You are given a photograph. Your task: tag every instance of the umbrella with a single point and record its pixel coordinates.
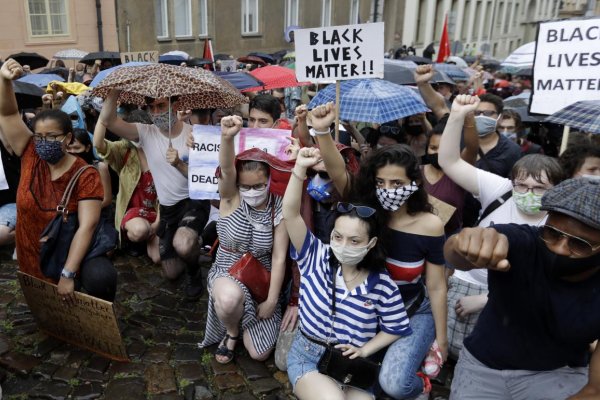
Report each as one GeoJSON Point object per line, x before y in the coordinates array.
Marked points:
{"type": "Point", "coordinates": [290, 55]}
{"type": "Point", "coordinates": [372, 100]}
{"type": "Point", "coordinates": [417, 59]}
{"type": "Point", "coordinates": [519, 100]}
{"type": "Point", "coordinates": [196, 87]}
{"type": "Point", "coordinates": [524, 72]}
{"type": "Point", "coordinates": [263, 56]}
{"type": "Point", "coordinates": [275, 77]}
{"type": "Point", "coordinates": [583, 115]}
{"type": "Point", "coordinates": [34, 60]}
{"type": "Point", "coordinates": [404, 63]}
{"type": "Point", "coordinates": [70, 54]}
{"type": "Point", "coordinates": [252, 60]}
{"type": "Point", "coordinates": [459, 62]}
{"type": "Point", "coordinates": [172, 60]}
{"type": "Point", "coordinates": [60, 71]}
{"type": "Point", "coordinates": [521, 57]}
{"type": "Point", "coordinates": [41, 80]}
{"type": "Point", "coordinates": [28, 95]}
{"type": "Point", "coordinates": [197, 62]}
{"type": "Point", "coordinates": [240, 80]}
{"type": "Point", "coordinates": [222, 56]}
{"type": "Point", "coordinates": [453, 71]}
{"type": "Point", "coordinates": [103, 74]}
{"type": "Point", "coordinates": [177, 53]}
{"type": "Point", "coordinates": [397, 73]}
{"type": "Point", "coordinates": [112, 56]}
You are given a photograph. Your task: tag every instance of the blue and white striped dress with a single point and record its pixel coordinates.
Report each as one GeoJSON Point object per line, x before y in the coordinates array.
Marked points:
{"type": "Point", "coordinates": [246, 229]}
{"type": "Point", "coordinates": [374, 305]}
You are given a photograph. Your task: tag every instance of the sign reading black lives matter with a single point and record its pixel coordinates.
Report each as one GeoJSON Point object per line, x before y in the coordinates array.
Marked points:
{"type": "Point", "coordinates": [339, 52]}
{"type": "Point", "coordinates": [90, 323]}
{"type": "Point", "coordinates": [567, 64]}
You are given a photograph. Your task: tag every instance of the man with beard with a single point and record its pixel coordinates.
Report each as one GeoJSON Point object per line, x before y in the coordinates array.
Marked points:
{"type": "Point", "coordinates": [532, 338]}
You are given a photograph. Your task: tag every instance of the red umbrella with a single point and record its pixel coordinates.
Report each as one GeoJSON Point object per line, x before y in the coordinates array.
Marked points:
{"type": "Point", "coordinates": [275, 77]}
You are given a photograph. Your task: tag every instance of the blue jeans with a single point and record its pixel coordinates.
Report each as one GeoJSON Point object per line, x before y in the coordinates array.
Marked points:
{"type": "Point", "coordinates": [403, 359]}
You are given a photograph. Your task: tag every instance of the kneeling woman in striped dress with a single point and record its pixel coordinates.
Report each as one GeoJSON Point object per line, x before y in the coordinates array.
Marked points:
{"type": "Point", "coordinates": [369, 312]}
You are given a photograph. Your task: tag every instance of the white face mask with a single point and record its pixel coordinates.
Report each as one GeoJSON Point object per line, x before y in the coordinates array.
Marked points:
{"type": "Point", "coordinates": [255, 198]}
{"type": "Point", "coordinates": [351, 255]}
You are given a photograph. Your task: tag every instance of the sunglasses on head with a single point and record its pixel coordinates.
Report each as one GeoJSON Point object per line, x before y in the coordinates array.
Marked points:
{"type": "Point", "coordinates": [361, 211]}
{"type": "Point", "coordinates": [577, 245]}
{"type": "Point", "coordinates": [394, 130]}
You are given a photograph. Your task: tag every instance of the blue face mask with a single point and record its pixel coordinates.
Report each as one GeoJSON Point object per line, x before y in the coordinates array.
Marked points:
{"type": "Point", "coordinates": [485, 125]}
{"type": "Point", "coordinates": [319, 188]}
{"type": "Point", "coordinates": [51, 152]}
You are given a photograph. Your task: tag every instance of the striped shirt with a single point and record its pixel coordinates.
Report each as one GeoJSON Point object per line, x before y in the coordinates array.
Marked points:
{"type": "Point", "coordinates": [374, 305]}
{"type": "Point", "coordinates": [407, 255]}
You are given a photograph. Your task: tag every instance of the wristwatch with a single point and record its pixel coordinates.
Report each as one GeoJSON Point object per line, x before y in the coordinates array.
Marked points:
{"type": "Point", "coordinates": [65, 273]}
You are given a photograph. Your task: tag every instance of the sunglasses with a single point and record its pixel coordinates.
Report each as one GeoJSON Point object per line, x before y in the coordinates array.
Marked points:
{"type": "Point", "coordinates": [577, 245]}
{"type": "Point", "coordinates": [394, 130]}
{"type": "Point", "coordinates": [361, 211]}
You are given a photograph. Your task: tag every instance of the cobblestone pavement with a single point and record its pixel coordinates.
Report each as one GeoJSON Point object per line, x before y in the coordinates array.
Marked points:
{"type": "Point", "coordinates": [161, 332]}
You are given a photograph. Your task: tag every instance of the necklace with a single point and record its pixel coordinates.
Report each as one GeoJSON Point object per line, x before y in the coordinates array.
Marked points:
{"type": "Point", "coordinates": [353, 278]}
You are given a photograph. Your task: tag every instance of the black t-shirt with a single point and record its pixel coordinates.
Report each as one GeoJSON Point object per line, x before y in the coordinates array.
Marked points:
{"type": "Point", "coordinates": [533, 321]}
{"type": "Point", "coordinates": [12, 171]}
{"type": "Point", "coordinates": [501, 158]}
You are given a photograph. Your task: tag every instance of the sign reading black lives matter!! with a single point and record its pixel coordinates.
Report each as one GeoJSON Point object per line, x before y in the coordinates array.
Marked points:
{"type": "Point", "coordinates": [90, 323]}
{"type": "Point", "coordinates": [339, 52]}
{"type": "Point", "coordinates": [567, 64]}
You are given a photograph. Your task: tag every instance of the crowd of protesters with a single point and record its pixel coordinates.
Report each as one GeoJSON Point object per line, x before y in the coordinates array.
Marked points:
{"type": "Point", "coordinates": [505, 286]}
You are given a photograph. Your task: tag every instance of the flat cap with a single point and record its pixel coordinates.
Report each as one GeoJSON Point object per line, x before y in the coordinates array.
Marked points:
{"type": "Point", "coordinates": [578, 198]}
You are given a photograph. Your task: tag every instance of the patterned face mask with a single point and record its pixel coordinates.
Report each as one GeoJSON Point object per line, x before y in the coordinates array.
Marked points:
{"type": "Point", "coordinates": [528, 203]}
{"type": "Point", "coordinates": [162, 120]}
{"type": "Point", "coordinates": [393, 199]}
{"type": "Point", "coordinates": [51, 152]}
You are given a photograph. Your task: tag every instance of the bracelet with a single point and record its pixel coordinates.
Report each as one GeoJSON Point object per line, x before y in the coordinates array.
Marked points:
{"type": "Point", "coordinates": [298, 176]}
{"type": "Point", "coordinates": [314, 132]}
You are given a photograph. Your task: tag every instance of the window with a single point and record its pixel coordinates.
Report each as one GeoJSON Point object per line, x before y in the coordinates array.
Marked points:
{"type": "Point", "coordinates": [249, 17]}
{"type": "Point", "coordinates": [48, 17]}
{"type": "Point", "coordinates": [291, 12]}
{"type": "Point", "coordinates": [162, 19]}
{"type": "Point", "coordinates": [203, 18]}
{"type": "Point", "coordinates": [326, 13]}
{"type": "Point", "coordinates": [354, 12]}
{"type": "Point", "coordinates": [183, 18]}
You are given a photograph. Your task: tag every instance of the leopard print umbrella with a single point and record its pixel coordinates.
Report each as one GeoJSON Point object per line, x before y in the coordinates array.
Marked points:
{"type": "Point", "coordinates": [196, 88]}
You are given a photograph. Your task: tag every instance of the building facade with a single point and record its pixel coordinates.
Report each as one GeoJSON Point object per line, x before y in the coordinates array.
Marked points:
{"type": "Point", "coordinates": [47, 26]}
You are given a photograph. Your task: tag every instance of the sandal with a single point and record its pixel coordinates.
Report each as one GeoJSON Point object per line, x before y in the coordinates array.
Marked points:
{"type": "Point", "coordinates": [225, 351]}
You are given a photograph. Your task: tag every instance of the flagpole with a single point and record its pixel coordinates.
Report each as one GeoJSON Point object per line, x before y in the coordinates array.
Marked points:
{"type": "Point", "coordinates": [337, 111]}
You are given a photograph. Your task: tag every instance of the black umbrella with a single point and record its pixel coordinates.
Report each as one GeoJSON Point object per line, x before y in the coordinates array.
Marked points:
{"type": "Point", "coordinates": [28, 95]}
{"type": "Point", "coordinates": [222, 56]}
{"type": "Point", "coordinates": [402, 75]}
{"type": "Point", "coordinates": [60, 71]}
{"type": "Point", "coordinates": [197, 62]}
{"type": "Point", "coordinates": [524, 72]}
{"type": "Point", "coordinates": [112, 56]}
{"type": "Point", "coordinates": [263, 56]}
{"type": "Point", "coordinates": [34, 60]}
{"type": "Point", "coordinates": [417, 59]}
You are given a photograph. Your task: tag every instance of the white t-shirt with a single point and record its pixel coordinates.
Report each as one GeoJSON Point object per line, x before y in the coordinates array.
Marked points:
{"type": "Point", "coordinates": [171, 185]}
{"type": "Point", "coordinates": [492, 187]}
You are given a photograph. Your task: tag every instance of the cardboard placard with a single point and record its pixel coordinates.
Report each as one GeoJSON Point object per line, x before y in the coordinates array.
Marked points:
{"type": "Point", "coordinates": [567, 60]}
{"type": "Point", "coordinates": [442, 209]}
{"type": "Point", "coordinates": [204, 155]}
{"type": "Point", "coordinates": [339, 52]}
{"type": "Point", "coordinates": [139, 56]}
{"type": "Point", "coordinates": [229, 65]}
{"type": "Point", "coordinates": [91, 323]}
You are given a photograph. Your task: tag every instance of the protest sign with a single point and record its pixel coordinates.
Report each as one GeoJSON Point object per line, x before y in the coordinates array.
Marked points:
{"type": "Point", "coordinates": [139, 56]}
{"type": "Point", "coordinates": [339, 52]}
{"type": "Point", "coordinates": [567, 61]}
{"type": "Point", "coordinates": [229, 65]}
{"type": "Point", "coordinates": [204, 155]}
{"type": "Point", "coordinates": [90, 323]}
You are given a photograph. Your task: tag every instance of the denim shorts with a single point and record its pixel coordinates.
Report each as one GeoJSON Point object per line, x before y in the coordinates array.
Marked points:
{"type": "Point", "coordinates": [8, 215]}
{"type": "Point", "coordinates": [303, 357]}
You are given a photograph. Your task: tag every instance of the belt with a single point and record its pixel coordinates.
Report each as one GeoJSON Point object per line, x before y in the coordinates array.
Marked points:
{"type": "Point", "coordinates": [412, 309]}
{"type": "Point", "coordinates": [315, 341]}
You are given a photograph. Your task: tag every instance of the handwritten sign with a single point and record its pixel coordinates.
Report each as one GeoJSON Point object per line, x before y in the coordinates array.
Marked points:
{"type": "Point", "coordinates": [140, 56]}
{"type": "Point", "coordinates": [91, 323]}
{"type": "Point", "coordinates": [204, 155]}
{"type": "Point", "coordinates": [339, 52]}
{"type": "Point", "coordinates": [567, 60]}
{"type": "Point", "coordinates": [442, 209]}
{"type": "Point", "coordinates": [229, 65]}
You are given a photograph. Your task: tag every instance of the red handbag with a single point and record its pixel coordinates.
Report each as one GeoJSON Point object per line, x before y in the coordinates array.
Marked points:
{"type": "Point", "coordinates": [252, 274]}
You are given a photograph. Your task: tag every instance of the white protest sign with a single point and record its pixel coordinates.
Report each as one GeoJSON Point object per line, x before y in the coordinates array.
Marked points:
{"type": "Point", "coordinates": [339, 52]}
{"type": "Point", "coordinates": [228, 65]}
{"type": "Point", "coordinates": [567, 64]}
{"type": "Point", "coordinates": [140, 56]}
{"type": "Point", "coordinates": [204, 155]}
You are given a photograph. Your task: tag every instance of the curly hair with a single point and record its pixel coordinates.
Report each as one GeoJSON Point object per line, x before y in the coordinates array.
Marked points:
{"type": "Point", "coordinates": [574, 156]}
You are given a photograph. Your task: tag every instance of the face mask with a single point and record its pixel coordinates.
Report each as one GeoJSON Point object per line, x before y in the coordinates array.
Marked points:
{"type": "Point", "coordinates": [510, 136]}
{"type": "Point", "coordinates": [51, 152]}
{"type": "Point", "coordinates": [431, 159]}
{"type": "Point", "coordinates": [350, 255]}
{"type": "Point", "coordinates": [564, 266]}
{"type": "Point", "coordinates": [485, 125]}
{"type": "Point", "coordinates": [528, 203]}
{"type": "Point", "coordinates": [320, 189]}
{"type": "Point", "coordinates": [162, 120]}
{"type": "Point", "coordinates": [255, 198]}
{"type": "Point", "coordinates": [593, 177]}
{"type": "Point", "coordinates": [393, 199]}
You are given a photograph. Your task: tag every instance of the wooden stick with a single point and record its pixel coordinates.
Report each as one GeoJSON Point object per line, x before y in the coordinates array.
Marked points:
{"type": "Point", "coordinates": [565, 139]}
{"type": "Point", "coordinates": [337, 111]}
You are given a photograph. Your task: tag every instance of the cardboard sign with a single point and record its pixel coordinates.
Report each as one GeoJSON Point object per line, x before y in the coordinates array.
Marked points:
{"type": "Point", "coordinates": [204, 156]}
{"type": "Point", "coordinates": [139, 56]}
{"type": "Point", "coordinates": [91, 323]}
{"type": "Point", "coordinates": [339, 52]}
{"type": "Point", "coordinates": [567, 61]}
{"type": "Point", "coordinates": [229, 65]}
{"type": "Point", "coordinates": [442, 209]}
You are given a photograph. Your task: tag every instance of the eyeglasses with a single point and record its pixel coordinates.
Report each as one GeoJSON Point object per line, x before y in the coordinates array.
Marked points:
{"type": "Point", "coordinates": [487, 113]}
{"type": "Point", "coordinates": [48, 138]}
{"type": "Point", "coordinates": [394, 130]}
{"type": "Point", "coordinates": [258, 186]}
{"type": "Point", "coordinates": [577, 245]}
{"type": "Point", "coordinates": [361, 211]}
{"type": "Point", "coordinates": [520, 188]}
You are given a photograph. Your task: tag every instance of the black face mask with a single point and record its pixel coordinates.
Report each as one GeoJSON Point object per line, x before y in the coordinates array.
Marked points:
{"type": "Point", "coordinates": [565, 266]}
{"type": "Point", "coordinates": [431, 159]}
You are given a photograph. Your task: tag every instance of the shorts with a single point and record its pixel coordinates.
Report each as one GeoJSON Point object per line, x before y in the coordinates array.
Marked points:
{"type": "Point", "coordinates": [8, 215]}
{"type": "Point", "coordinates": [188, 213]}
{"type": "Point", "coordinates": [303, 357]}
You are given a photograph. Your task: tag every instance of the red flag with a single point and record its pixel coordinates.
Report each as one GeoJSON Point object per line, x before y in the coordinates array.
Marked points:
{"type": "Point", "coordinates": [444, 51]}
{"type": "Point", "coordinates": [208, 54]}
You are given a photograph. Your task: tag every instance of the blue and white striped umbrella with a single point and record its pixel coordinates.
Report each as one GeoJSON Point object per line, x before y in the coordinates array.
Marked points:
{"type": "Point", "coordinates": [372, 100]}
{"type": "Point", "coordinates": [583, 115]}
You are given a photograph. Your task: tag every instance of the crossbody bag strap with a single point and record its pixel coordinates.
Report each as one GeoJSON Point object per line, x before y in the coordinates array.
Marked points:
{"type": "Point", "coordinates": [62, 206]}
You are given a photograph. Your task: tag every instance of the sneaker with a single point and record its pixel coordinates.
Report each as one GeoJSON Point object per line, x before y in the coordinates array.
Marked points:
{"type": "Point", "coordinates": [426, 385]}
{"type": "Point", "coordinates": [193, 286]}
{"type": "Point", "coordinates": [432, 365]}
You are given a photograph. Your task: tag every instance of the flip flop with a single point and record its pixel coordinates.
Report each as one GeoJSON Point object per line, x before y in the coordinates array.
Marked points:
{"type": "Point", "coordinates": [225, 351]}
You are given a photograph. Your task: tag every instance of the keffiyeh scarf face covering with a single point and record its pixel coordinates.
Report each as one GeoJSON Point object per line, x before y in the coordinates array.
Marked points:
{"type": "Point", "coordinates": [393, 199]}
